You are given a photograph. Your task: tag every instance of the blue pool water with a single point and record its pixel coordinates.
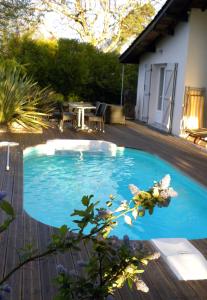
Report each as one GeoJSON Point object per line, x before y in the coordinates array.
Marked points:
{"type": "Point", "coordinates": [54, 185]}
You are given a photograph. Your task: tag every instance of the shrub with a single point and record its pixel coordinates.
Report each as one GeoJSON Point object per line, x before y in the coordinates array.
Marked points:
{"type": "Point", "coordinates": [71, 67]}
{"type": "Point", "coordinates": [22, 103]}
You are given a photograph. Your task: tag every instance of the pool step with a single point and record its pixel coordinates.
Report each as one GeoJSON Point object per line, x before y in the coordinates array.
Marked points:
{"type": "Point", "coordinates": [186, 262]}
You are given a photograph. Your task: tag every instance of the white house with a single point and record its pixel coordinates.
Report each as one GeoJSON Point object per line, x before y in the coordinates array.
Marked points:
{"type": "Point", "coordinates": [172, 57]}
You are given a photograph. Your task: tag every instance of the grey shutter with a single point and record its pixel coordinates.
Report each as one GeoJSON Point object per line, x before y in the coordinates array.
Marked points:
{"type": "Point", "coordinates": [169, 93]}
{"type": "Point", "coordinates": [146, 98]}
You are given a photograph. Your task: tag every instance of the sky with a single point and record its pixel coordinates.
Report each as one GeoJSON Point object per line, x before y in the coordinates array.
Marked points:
{"type": "Point", "coordinates": [55, 26]}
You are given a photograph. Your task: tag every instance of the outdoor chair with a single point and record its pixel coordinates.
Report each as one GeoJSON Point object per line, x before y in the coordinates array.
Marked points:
{"type": "Point", "coordinates": [93, 113]}
{"type": "Point", "coordinates": [199, 134]}
{"type": "Point", "coordinates": [67, 116]}
{"type": "Point", "coordinates": [98, 117]}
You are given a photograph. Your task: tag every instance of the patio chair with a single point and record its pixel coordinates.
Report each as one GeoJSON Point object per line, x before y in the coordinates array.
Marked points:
{"type": "Point", "coordinates": [199, 134]}
{"type": "Point", "coordinates": [67, 116]}
{"type": "Point", "coordinates": [98, 117]}
{"type": "Point", "coordinates": [92, 113]}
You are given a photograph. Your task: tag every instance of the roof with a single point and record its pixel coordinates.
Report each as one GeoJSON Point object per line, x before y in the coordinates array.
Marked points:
{"type": "Point", "coordinates": [164, 23]}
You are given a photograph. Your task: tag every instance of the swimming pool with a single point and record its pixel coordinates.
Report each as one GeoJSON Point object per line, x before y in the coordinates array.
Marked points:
{"type": "Point", "coordinates": [55, 179]}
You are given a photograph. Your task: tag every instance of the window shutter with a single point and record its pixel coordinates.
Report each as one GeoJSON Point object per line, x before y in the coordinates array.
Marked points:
{"type": "Point", "coordinates": [146, 98]}
{"type": "Point", "coordinates": [169, 93]}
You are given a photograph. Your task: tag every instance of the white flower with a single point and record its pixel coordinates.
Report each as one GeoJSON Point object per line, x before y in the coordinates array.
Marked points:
{"type": "Point", "coordinates": [154, 256]}
{"type": "Point", "coordinates": [155, 192]}
{"type": "Point", "coordinates": [81, 263]}
{"type": "Point", "coordinates": [61, 269]}
{"type": "Point", "coordinates": [123, 206]}
{"type": "Point", "coordinates": [172, 192]}
{"type": "Point", "coordinates": [128, 220]}
{"type": "Point", "coordinates": [141, 286]}
{"type": "Point", "coordinates": [165, 182]}
{"type": "Point", "coordinates": [120, 208]}
{"type": "Point", "coordinates": [134, 189]}
{"type": "Point", "coordinates": [135, 213]}
{"type": "Point", "coordinates": [164, 194]}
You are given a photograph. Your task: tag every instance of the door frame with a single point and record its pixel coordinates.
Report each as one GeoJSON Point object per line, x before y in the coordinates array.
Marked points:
{"type": "Point", "coordinates": [159, 112]}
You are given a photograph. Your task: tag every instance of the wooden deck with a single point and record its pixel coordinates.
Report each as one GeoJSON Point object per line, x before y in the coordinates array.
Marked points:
{"type": "Point", "coordinates": [35, 281]}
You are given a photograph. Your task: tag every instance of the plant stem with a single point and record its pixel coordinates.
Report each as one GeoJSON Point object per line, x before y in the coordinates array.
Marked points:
{"type": "Point", "coordinates": [48, 252]}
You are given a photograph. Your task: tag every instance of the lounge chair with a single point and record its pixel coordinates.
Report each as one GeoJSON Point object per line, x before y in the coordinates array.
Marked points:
{"type": "Point", "coordinates": [199, 134]}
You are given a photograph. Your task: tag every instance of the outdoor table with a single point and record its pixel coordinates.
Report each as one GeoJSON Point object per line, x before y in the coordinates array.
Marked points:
{"type": "Point", "coordinates": [81, 107]}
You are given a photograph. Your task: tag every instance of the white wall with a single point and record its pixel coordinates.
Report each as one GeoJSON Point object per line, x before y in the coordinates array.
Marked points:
{"type": "Point", "coordinates": [171, 49]}
{"type": "Point", "coordinates": [196, 72]}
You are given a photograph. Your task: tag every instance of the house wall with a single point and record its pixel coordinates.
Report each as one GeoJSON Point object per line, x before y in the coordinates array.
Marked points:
{"type": "Point", "coordinates": [196, 71]}
{"type": "Point", "coordinates": [171, 49]}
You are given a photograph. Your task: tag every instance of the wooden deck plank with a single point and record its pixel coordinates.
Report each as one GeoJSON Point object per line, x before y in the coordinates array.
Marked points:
{"type": "Point", "coordinates": [31, 272]}
{"type": "Point", "coordinates": [47, 264]}
{"type": "Point", "coordinates": [15, 232]}
{"type": "Point", "coordinates": [35, 281]}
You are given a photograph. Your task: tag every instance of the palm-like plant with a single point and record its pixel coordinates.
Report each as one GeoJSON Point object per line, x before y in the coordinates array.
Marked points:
{"type": "Point", "coordinates": [22, 102]}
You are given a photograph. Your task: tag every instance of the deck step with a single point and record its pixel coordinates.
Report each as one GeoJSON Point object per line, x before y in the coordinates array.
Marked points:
{"type": "Point", "coordinates": [186, 262]}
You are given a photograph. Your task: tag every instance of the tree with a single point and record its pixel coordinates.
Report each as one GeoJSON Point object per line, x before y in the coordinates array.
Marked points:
{"type": "Point", "coordinates": [16, 16]}
{"type": "Point", "coordinates": [106, 24]}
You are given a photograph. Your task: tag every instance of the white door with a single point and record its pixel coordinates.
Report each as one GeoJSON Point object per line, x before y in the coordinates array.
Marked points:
{"type": "Point", "coordinates": [160, 98]}
{"type": "Point", "coordinates": [146, 98]}
{"type": "Point", "coordinates": [169, 95]}
{"type": "Point", "coordinates": [165, 99]}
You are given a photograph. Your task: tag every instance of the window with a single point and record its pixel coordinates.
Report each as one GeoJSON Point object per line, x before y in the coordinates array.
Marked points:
{"type": "Point", "coordinates": [161, 87]}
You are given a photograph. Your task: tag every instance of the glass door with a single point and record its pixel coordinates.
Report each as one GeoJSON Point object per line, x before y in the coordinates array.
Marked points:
{"type": "Point", "coordinates": [159, 107]}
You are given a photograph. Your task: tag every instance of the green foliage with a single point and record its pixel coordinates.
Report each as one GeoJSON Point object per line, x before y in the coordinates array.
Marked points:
{"type": "Point", "coordinates": [76, 70]}
{"type": "Point", "coordinates": [26, 253]}
{"type": "Point", "coordinates": [9, 211]}
{"type": "Point", "coordinates": [17, 16]}
{"type": "Point", "coordinates": [112, 262]}
{"type": "Point", "coordinates": [107, 25]}
{"type": "Point", "coordinates": [134, 23]}
{"type": "Point", "coordinates": [22, 103]}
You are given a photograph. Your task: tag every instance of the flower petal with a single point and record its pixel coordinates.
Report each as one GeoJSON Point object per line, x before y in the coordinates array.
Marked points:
{"type": "Point", "coordinates": [135, 213]}
{"type": "Point", "coordinates": [127, 220]}
{"type": "Point", "coordinates": [165, 182]}
{"type": "Point", "coordinates": [133, 189]}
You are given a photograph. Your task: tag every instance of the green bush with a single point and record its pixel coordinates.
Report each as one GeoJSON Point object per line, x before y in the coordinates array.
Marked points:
{"type": "Point", "coordinates": [71, 67]}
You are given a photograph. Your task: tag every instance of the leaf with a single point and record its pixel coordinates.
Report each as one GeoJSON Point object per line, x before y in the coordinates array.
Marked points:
{"type": "Point", "coordinates": [80, 213]}
{"type": "Point", "coordinates": [85, 200]}
{"type": "Point", "coordinates": [130, 282]}
{"type": "Point", "coordinates": [151, 210]}
{"type": "Point", "coordinates": [63, 229]}
{"type": "Point", "coordinates": [79, 223]}
{"type": "Point", "coordinates": [141, 213]}
{"type": "Point", "coordinates": [144, 261]}
{"type": "Point", "coordinates": [135, 213]}
{"type": "Point", "coordinates": [7, 208]}
{"type": "Point", "coordinates": [127, 220]}
{"type": "Point", "coordinates": [139, 271]}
